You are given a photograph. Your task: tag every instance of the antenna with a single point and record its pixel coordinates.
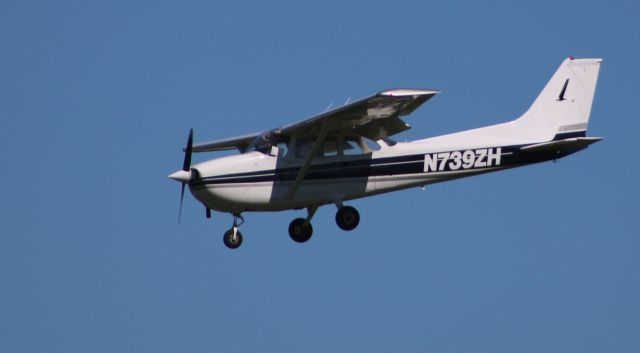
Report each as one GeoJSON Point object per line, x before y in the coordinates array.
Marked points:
{"type": "Point", "coordinates": [329, 107]}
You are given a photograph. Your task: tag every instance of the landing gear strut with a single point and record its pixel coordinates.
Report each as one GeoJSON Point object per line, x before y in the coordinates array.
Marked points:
{"type": "Point", "coordinates": [233, 238]}
{"type": "Point", "coordinates": [300, 229]}
{"type": "Point", "coordinates": [347, 218]}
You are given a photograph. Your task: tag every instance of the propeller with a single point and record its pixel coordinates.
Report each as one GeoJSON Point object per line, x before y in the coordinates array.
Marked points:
{"type": "Point", "coordinates": [184, 175]}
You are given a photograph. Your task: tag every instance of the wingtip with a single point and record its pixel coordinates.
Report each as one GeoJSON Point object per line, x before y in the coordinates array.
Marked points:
{"type": "Point", "coordinates": [401, 92]}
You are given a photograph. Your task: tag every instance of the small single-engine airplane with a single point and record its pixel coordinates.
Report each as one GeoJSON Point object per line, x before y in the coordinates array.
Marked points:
{"type": "Point", "coordinates": [346, 153]}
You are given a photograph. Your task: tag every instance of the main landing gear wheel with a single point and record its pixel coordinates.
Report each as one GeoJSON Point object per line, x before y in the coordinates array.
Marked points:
{"type": "Point", "coordinates": [347, 218]}
{"type": "Point", "coordinates": [232, 238]}
{"type": "Point", "coordinates": [300, 230]}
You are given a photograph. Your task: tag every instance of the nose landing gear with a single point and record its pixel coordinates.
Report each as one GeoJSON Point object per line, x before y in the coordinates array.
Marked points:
{"type": "Point", "coordinates": [233, 238]}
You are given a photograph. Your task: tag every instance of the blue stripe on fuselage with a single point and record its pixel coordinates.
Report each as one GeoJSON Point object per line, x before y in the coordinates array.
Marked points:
{"type": "Point", "coordinates": [511, 156]}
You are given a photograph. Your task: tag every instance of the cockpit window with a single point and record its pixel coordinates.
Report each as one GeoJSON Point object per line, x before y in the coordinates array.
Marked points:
{"type": "Point", "coordinates": [265, 141]}
{"type": "Point", "coordinates": [283, 148]}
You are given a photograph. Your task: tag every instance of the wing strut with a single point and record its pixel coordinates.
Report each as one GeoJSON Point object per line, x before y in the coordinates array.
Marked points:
{"type": "Point", "coordinates": [305, 167]}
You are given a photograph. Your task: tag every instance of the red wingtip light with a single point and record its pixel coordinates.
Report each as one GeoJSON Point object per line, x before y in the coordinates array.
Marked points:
{"type": "Point", "coordinates": [571, 58]}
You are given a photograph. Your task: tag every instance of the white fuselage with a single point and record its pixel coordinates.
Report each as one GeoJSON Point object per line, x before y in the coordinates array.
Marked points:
{"type": "Point", "coordinates": [256, 181]}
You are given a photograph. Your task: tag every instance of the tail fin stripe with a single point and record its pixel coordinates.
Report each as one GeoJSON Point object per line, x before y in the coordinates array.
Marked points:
{"type": "Point", "coordinates": [568, 135]}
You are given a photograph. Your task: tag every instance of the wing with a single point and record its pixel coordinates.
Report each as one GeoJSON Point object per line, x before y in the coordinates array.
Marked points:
{"type": "Point", "coordinates": [240, 142]}
{"type": "Point", "coordinates": [374, 117]}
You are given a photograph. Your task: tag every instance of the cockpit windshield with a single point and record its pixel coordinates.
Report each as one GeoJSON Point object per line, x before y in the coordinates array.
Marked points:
{"type": "Point", "coordinates": [265, 141]}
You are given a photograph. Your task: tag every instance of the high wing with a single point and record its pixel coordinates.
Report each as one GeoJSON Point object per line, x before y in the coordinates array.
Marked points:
{"type": "Point", "coordinates": [240, 142]}
{"type": "Point", "coordinates": [374, 117]}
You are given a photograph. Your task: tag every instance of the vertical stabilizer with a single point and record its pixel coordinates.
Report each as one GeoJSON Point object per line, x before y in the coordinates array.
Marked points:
{"type": "Point", "coordinates": [562, 108]}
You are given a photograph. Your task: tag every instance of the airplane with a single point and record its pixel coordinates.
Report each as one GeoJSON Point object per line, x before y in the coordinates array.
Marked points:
{"type": "Point", "coordinates": [346, 153]}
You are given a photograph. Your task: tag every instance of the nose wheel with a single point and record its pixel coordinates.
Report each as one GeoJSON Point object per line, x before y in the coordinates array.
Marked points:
{"type": "Point", "coordinates": [233, 238]}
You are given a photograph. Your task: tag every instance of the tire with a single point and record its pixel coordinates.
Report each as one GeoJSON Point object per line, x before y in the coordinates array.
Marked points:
{"type": "Point", "coordinates": [347, 218]}
{"type": "Point", "coordinates": [229, 241]}
{"type": "Point", "coordinates": [300, 231]}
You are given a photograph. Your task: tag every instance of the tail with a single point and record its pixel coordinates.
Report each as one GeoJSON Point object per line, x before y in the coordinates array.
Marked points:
{"type": "Point", "coordinates": [563, 107]}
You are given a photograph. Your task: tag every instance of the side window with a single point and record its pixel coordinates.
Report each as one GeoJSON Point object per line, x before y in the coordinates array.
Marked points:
{"type": "Point", "coordinates": [330, 147]}
{"type": "Point", "coordinates": [372, 145]}
{"type": "Point", "coordinates": [304, 146]}
{"type": "Point", "coordinates": [351, 147]}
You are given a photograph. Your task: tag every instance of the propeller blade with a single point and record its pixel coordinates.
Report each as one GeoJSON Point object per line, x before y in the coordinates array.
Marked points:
{"type": "Point", "coordinates": [186, 166]}
{"type": "Point", "coordinates": [180, 209]}
{"type": "Point", "coordinates": [187, 152]}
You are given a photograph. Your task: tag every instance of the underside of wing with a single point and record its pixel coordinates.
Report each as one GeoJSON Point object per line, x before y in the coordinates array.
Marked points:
{"type": "Point", "coordinates": [374, 117]}
{"type": "Point", "coordinates": [241, 143]}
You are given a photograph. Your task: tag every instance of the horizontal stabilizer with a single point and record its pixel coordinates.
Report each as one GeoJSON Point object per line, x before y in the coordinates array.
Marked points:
{"type": "Point", "coordinates": [569, 144]}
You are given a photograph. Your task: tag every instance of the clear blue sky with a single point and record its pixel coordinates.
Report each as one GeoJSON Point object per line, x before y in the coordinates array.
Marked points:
{"type": "Point", "coordinates": [96, 99]}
